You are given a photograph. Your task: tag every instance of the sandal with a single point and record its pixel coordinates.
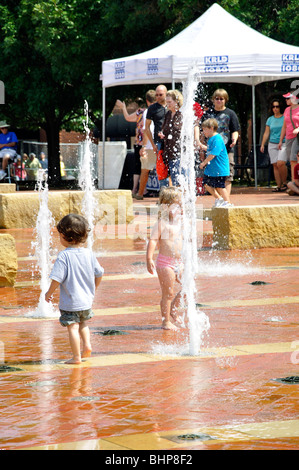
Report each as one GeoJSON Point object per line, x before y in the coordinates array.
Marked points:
{"type": "Point", "coordinates": [276, 190]}
{"type": "Point", "coordinates": [283, 187]}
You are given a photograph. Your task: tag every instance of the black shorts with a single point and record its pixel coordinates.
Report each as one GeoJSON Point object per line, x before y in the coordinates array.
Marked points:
{"type": "Point", "coordinates": [214, 181]}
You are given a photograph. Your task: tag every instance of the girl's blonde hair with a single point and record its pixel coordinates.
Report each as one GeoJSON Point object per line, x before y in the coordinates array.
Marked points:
{"type": "Point", "coordinates": [168, 196]}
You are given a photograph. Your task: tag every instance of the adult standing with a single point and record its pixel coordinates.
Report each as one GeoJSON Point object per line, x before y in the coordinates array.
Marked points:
{"type": "Point", "coordinates": [290, 130]}
{"type": "Point", "coordinates": [155, 114]}
{"type": "Point", "coordinates": [272, 134]}
{"type": "Point", "coordinates": [171, 134]}
{"type": "Point", "coordinates": [8, 146]}
{"type": "Point", "coordinates": [43, 161]}
{"type": "Point", "coordinates": [138, 117]}
{"type": "Point", "coordinates": [228, 128]}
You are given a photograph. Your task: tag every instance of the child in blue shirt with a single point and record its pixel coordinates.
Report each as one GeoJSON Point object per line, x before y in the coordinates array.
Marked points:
{"type": "Point", "coordinates": [78, 274]}
{"type": "Point", "coordinates": [216, 164]}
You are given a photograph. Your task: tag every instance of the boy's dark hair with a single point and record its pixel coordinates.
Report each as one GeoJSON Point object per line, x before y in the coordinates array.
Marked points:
{"type": "Point", "coordinates": [74, 228]}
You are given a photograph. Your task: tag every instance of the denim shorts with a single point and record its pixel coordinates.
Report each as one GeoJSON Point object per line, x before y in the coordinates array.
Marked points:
{"type": "Point", "coordinates": [67, 318]}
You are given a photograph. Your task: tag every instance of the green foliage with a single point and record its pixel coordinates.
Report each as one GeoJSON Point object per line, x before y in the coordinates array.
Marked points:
{"type": "Point", "coordinates": [53, 49]}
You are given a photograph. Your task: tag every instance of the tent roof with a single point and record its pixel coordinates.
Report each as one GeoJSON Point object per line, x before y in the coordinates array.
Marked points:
{"type": "Point", "coordinates": [217, 46]}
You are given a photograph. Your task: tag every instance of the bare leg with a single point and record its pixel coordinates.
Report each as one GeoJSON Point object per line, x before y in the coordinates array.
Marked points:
{"type": "Point", "coordinates": [213, 191]}
{"type": "Point", "coordinates": [175, 305]}
{"type": "Point", "coordinates": [74, 338]}
{"type": "Point", "coordinates": [277, 175]}
{"type": "Point", "coordinates": [85, 336]}
{"type": "Point", "coordinates": [223, 193]}
{"type": "Point", "coordinates": [293, 187]}
{"type": "Point", "coordinates": [292, 169]}
{"type": "Point", "coordinates": [167, 279]}
{"type": "Point", "coordinates": [228, 186]}
{"type": "Point", "coordinates": [283, 171]}
{"type": "Point", "coordinates": [143, 181]}
{"type": "Point", "coordinates": [5, 162]}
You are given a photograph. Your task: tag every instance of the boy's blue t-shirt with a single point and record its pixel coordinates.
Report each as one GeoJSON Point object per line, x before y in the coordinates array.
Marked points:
{"type": "Point", "coordinates": [275, 125]}
{"type": "Point", "coordinates": [219, 166]}
{"type": "Point", "coordinates": [75, 269]}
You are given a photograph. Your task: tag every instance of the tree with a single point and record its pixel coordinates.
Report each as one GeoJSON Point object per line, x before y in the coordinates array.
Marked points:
{"type": "Point", "coordinates": [52, 51]}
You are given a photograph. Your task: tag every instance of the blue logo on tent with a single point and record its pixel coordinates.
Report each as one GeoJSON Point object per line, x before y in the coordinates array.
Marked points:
{"type": "Point", "coordinates": [152, 66]}
{"type": "Point", "coordinates": [290, 63]}
{"type": "Point", "coordinates": [120, 70]}
{"type": "Point", "coordinates": [216, 64]}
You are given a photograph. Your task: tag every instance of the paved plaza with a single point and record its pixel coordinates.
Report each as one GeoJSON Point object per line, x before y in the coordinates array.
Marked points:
{"type": "Point", "coordinates": [141, 390]}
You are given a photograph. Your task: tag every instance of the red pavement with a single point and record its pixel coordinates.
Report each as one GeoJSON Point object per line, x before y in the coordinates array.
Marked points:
{"type": "Point", "coordinates": [141, 389]}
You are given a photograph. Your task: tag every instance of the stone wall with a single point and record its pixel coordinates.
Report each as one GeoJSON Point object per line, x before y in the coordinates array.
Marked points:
{"type": "Point", "coordinates": [20, 209]}
{"type": "Point", "coordinates": [8, 260]}
{"type": "Point", "coordinates": [250, 227]}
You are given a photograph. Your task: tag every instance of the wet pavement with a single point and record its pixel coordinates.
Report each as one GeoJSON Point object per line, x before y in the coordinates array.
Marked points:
{"type": "Point", "coordinates": [141, 389]}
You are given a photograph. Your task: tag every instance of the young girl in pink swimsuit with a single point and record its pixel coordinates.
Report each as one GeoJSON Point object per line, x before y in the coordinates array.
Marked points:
{"type": "Point", "coordinates": [167, 234]}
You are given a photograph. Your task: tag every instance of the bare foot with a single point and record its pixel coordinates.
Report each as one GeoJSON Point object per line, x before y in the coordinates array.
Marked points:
{"type": "Point", "coordinates": [73, 361]}
{"type": "Point", "coordinates": [86, 353]}
{"type": "Point", "coordinates": [169, 326]}
{"type": "Point", "coordinates": [177, 319]}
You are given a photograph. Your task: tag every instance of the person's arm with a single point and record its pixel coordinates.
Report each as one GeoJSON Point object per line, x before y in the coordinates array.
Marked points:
{"type": "Point", "coordinates": [53, 286]}
{"type": "Point", "coordinates": [11, 144]}
{"type": "Point", "coordinates": [196, 136]}
{"type": "Point", "coordinates": [149, 134]}
{"type": "Point", "coordinates": [152, 244]}
{"type": "Point", "coordinates": [206, 161]}
{"type": "Point", "coordinates": [265, 138]}
{"type": "Point", "coordinates": [97, 281]}
{"type": "Point", "coordinates": [282, 134]}
{"type": "Point", "coordinates": [235, 136]}
{"type": "Point", "coordinates": [128, 117]}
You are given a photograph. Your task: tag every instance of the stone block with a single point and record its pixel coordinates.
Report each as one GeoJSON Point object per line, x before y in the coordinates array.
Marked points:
{"type": "Point", "coordinates": [112, 207]}
{"type": "Point", "coordinates": [250, 227]}
{"type": "Point", "coordinates": [19, 210]}
{"type": "Point", "coordinates": [7, 188]}
{"type": "Point", "coordinates": [8, 260]}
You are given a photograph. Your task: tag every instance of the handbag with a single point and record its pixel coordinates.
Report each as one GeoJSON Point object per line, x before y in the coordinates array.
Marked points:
{"type": "Point", "coordinates": [294, 125]}
{"type": "Point", "coordinates": [161, 167]}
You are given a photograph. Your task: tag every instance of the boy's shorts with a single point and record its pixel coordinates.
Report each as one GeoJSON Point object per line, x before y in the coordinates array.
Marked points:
{"type": "Point", "coordinates": [214, 181]}
{"type": "Point", "coordinates": [68, 318]}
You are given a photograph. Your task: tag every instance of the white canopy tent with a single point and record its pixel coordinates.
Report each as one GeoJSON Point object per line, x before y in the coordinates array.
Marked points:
{"type": "Point", "coordinates": [219, 47]}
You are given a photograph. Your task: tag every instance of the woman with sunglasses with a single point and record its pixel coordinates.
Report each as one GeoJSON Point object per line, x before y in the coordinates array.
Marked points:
{"type": "Point", "coordinates": [277, 157]}
{"type": "Point", "coordinates": [290, 130]}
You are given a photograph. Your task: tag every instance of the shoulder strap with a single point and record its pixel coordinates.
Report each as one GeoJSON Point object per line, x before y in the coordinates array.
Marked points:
{"type": "Point", "coordinates": [292, 118]}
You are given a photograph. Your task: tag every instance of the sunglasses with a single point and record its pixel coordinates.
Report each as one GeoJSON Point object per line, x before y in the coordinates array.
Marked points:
{"type": "Point", "coordinates": [159, 94]}
{"type": "Point", "coordinates": [275, 106]}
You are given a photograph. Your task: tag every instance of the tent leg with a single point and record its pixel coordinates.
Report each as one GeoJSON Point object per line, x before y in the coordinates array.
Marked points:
{"type": "Point", "coordinates": [254, 135]}
{"type": "Point", "coordinates": [103, 135]}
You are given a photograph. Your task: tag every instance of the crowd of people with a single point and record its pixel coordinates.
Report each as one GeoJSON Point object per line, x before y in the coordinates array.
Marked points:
{"type": "Point", "coordinates": [159, 136]}
{"type": "Point", "coordinates": [282, 133]}
{"type": "Point", "coordinates": [17, 167]}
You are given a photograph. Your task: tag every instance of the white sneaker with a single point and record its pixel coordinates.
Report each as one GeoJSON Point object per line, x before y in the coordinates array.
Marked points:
{"type": "Point", "coordinates": [226, 204]}
{"type": "Point", "coordinates": [218, 202]}
{"type": "Point", "coordinates": [2, 175]}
